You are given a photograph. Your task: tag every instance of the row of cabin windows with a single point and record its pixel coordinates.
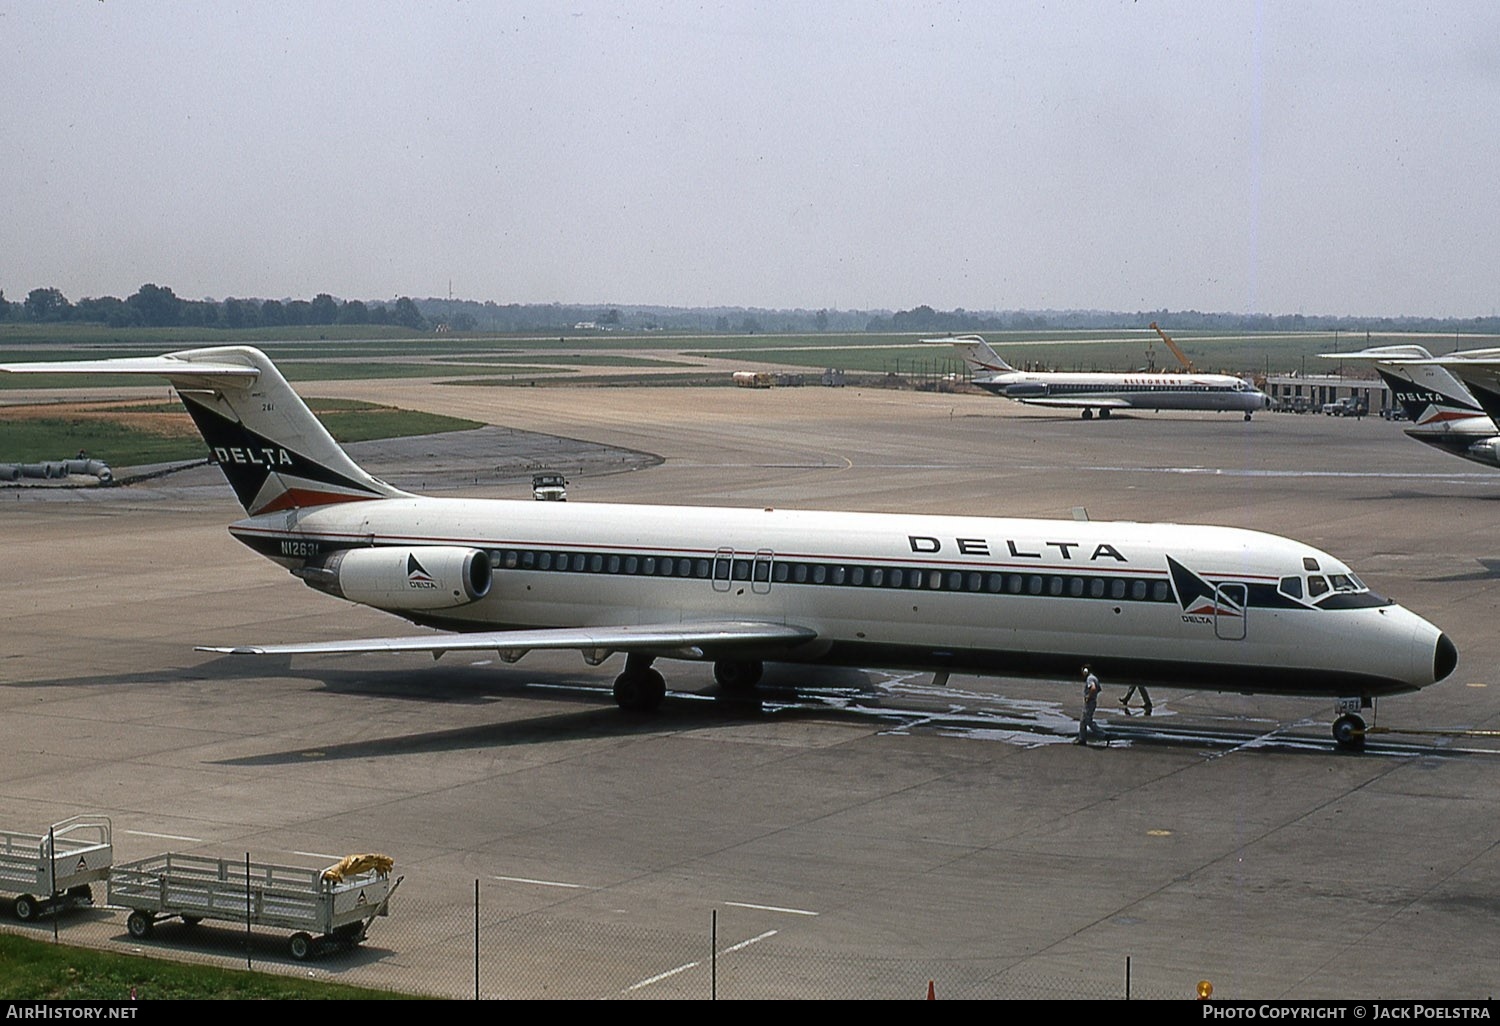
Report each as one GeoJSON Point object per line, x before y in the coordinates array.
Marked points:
{"type": "Point", "coordinates": [764, 570]}
{"type": "Point", "coordinates": [1055, 389]}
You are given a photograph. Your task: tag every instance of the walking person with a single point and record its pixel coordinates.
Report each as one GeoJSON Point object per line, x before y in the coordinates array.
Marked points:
{"type": "Point", "coordinates": [1086, 725]}
{"type": "Point", "coordinates": [1145, 698]}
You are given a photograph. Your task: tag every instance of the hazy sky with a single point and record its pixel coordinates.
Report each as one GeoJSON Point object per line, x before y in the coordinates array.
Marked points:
{"type": "Point", "coordinates": [1287, 157]}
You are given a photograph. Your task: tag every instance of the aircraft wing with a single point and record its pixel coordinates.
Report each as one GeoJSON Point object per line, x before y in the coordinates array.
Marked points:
{"type": "Point", "coordinates": [1079, 403]}
{"type": "Point", "coordinates": [693, 640]}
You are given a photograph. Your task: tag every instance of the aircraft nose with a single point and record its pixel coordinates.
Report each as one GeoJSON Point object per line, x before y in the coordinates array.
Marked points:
{"type": "Point", "coordinates": [1444, 657]}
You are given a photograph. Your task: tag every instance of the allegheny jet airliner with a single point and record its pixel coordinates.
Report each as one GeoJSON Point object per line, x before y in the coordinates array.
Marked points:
{"type": "Point", "coordinates": [1104, 392]}
{"type": "Point", "coordinates": [1443, 413]}
{"type": "Point", "coordinates": [1194, 607]}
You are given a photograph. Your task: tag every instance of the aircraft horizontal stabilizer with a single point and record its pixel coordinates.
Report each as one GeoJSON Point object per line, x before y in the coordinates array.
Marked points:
{"type": "Point", "coordinates": [1383, 354]}
{"type": "Point", "coordinates": [170, 366]}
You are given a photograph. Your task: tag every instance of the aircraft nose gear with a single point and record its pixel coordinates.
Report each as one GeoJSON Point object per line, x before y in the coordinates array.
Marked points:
{"type": "Point", "coordinates": [1349, 732]}
{"type": "Point", "coordinates": [639, 688]}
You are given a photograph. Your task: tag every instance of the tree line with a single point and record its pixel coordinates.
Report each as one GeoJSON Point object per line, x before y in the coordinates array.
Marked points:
{"type": "Point", "coordinates": [157, 306]}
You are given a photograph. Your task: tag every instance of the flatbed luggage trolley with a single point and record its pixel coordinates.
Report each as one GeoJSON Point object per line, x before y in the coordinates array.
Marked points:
{"type": "Point", "coordinates": [53, 871]}
{"type": "Point", "coordinates": [324, 907]}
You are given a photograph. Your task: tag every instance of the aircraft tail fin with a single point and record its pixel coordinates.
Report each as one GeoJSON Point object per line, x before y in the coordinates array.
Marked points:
{"type": "Point", "coordinates": [1429, 395]}
{"type": "Point", "coordinates": [976, 354]}
{"type": "Point", "coordinates": [274, 452]}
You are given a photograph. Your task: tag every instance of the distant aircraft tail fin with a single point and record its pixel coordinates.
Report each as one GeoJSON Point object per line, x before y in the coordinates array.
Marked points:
{"type": "Point", "coordinates": [977, 354]}
{"type": "Point", "coordinates": [1430, 396]}
{"type": "Point", "coordinates": [275, 454]}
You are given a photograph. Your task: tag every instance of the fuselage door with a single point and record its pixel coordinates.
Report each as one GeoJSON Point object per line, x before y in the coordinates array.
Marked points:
{"type": "Point", "coordinates": [760, 580]}
{"type": "Point", "coordinates": [723, 569]}
{"type": "Point", "coordinates": [1231, 608]}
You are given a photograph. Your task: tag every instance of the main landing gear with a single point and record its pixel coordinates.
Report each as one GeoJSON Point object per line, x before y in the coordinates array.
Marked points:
{"type": "Point", "coordinates": [1088, 414]}
{"type": "Point", "coordinates": [639, 688]}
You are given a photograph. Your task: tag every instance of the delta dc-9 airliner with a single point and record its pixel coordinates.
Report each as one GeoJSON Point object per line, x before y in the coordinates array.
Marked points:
{"type": "Point", "coordinates": [1197, 607]}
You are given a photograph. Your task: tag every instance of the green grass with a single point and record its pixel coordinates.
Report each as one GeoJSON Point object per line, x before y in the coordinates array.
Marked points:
{"type": "Point", "coordinates": [113, 439]}
{"type": "Point", "coordinates": [1120, 350]}
{"type": "Point", "coordinates": [32, 440]}
{"type": "Point", "coordinates": [340, 354]}
{"type": "Point", "coordinates": [644, 379]}
{"type": "Point", "coordinates": [343, 371]}
{"type": "Point", "coordinates": [566, 358]}
{"type": "Point", "coordinates": [34, 970]}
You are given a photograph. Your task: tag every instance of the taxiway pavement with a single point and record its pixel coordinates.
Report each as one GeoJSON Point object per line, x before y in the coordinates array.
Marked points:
{"type": "Point", "coordinates": [849, 842]}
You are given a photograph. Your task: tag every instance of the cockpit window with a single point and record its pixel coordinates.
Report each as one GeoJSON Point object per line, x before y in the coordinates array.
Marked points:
{"type": "Point", "coordinates": [1291, 587]}
{"type": "Point", "coordinates": [1308, 563]}
{"type": "Point", "coordinates": [1342, 591]}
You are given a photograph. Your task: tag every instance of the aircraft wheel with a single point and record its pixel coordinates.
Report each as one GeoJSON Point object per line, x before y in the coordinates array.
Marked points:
{"type": "Point", "coordinates": [301, 946]}
{"type": "Point", "coordinates": [1103, 413]}
{"type": "Point", "coordinates": [139, 925]}
{"type": "Point", "coordinates": [1349, 732]}
{"type": "Point", "coordinates": [25, 908]}
{"type": "Point", "coordinates": [738, 675]}
{"type": "Point", "coordinates": [640, 690]}
{"type": "Point", "coordinates": [1088, 414]}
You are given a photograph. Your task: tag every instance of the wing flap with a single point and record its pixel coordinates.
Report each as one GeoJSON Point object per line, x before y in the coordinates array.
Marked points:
{"type": "Point", "coordinates": [679, 638]}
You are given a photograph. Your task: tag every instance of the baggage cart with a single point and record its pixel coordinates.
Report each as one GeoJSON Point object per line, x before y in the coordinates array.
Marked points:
{"type": "Point", "coordinates": [55, 870]}
{"type": "Point", "coordinates": [322, 907]}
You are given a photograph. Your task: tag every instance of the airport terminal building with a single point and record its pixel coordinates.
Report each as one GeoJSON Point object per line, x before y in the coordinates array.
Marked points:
{"type": "Point", "coordinates": [1311, 393]}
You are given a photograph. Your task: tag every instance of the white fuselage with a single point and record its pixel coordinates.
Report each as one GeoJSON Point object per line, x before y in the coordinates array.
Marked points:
{"type": "Point", "coordinates": [1219, 392]}
{"type": "Point", "coordinates": [1003, 596]}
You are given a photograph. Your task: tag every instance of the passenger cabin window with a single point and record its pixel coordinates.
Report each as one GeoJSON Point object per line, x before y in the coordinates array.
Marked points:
{"type": "Point", "coordinates": [1316, 586]}
{"type": "Point", "coordinates": [1291, 587]}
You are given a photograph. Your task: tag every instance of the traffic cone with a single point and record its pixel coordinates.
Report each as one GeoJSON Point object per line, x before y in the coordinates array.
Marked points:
{"type": "Point", "coordinates": [930, 995]}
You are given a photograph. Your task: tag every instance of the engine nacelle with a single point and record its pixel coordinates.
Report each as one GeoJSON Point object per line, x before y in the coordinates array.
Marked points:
{"type": "Point", "coordinates": [401, 579]}
{"type": "Point", "coordinates": [1486, 450]}
{"type": "Point", "coordinates": [1026, 390]}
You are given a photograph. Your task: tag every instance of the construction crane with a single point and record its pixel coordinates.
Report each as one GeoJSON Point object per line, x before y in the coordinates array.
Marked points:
{"type": "Point", "coordinates": [1187, 365]}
